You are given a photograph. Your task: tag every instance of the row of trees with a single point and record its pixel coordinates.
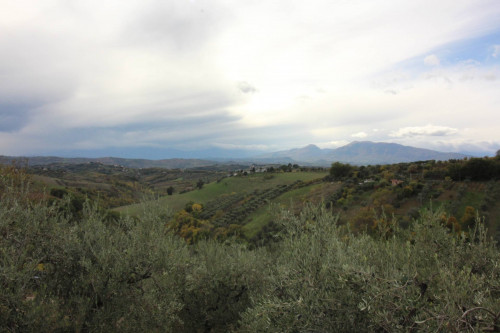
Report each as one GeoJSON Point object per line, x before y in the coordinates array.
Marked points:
{"type": "Point", "coordinates": [477, 169]}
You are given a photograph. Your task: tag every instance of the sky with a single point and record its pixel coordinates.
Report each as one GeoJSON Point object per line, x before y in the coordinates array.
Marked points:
{"type": "Point", "coordinates": [188, 78]}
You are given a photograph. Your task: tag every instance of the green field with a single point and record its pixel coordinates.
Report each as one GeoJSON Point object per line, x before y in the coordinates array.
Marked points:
{"type": "Point", "coordinates": [262, 216]}
{"type": "Point", "coordinates": [230, 185]}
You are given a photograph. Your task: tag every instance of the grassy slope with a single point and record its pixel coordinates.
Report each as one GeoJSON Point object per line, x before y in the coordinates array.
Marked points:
{"type": "Point", "coordinates": [296, 199]}
{"type": "Point", "coordinates": [473, 195]}
{"type": "Point", "coordinates": [245, 184]}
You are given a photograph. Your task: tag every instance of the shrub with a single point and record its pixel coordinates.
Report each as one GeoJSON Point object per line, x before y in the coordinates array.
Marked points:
{"type": "Point", "coordinates": [423, 278]}
{"type": "Point", "coordinates": [57, 274]}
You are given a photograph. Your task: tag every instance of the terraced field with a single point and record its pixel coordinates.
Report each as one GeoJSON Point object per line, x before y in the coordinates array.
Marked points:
{"type": "Point", "coordinates": [233, 199]}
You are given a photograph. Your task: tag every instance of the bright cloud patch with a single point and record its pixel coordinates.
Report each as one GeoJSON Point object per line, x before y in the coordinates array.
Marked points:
{"type": "Point", "coordinates": [333, 144]}
{"type": "Point", "coordinates": [496, 51]}
{"type": "Point", "coordinates": [241, 147]}
{"type": "Point", "coordinates": [429, 130]}
{"type": "Point", "coordinates": [359, 135]}
{"type": "Point", "coordinates": [432, 60]}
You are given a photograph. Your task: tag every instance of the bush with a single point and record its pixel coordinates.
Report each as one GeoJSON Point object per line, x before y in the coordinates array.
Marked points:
{"type": "Point", "coordinates": [425, 278]}
{"type": "Point", "coordinates": [89, 276]}
{"type": "Point", "coordinates": [57, 274]}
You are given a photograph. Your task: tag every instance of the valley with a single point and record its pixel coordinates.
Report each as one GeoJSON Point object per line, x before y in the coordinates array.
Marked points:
{"type": "Point", "coordinates": [96, 247]}
{"type": "Point", "coordinates": [240, 201]}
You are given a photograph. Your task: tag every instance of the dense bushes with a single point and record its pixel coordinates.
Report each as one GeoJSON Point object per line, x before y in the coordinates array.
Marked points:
{"type": "Point", "coordinates": [326, 279]}
{"type": "Point", "coordinates": [61, 274]}
{"type": "Point", "coordinates": [475, 169]}
{"type": "Point", "coordinates": [340, 170]}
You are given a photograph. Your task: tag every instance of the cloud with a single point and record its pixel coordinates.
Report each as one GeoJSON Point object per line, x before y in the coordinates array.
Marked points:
{"type": "Point", "coordinates": [241, 147]}
{"type": "Point", "coordinates": [432, 60]}
{"type": "Point", "coordinates": [333, 144]}
{"type": "Point", "coordinates": [428, 130]}
{"type": "Point", "coordinates": [496, 51]}
{"type": "Point", "coordinates": [184, 73]}
{"type": "Point", "coordinates": [246, 87]}
{"type": "Point", "coordinates": [359, 135]}
{"type": "Point", "coordinates": [174, 27]}
{"type": "Point", "coordinates": [14, 116]}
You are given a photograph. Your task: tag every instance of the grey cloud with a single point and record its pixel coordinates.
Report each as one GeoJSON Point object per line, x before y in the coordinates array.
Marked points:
{"type": "Point", "coordinates": [183, 26]}
{"type": "Point", "coordinates": [35, 66]}
{"type": "Point", "coordinates": [438, 76]}
{"type": "Point", "coordinates": [210, 121]}
{"type": "Point", "coordinates": [246, 87]}
{"type": "Point", "coordinates": [490, 77]}
{"type": "Point", "coordinates": [478, 74]}
{"type": "Point", "coordinates": [13, 117]}
{"type": "Point", "coordinates": [360, 117]}
{"type": "Point", "coordinates": [304, 98]}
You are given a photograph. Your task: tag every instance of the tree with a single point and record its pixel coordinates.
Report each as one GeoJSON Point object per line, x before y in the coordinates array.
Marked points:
{"type": "Point", "coordinates": [479, 169]}
{"type": "Point", "coordinates": [286, 168]}
{"type": "Point", "coordinates": [200, 184]}
{"type": "Point", "coordinates": [170, 190]}
{"type": "Point", "coordinates": [340, 170]}
{"type": "Point", "coordinates": [412, 169]}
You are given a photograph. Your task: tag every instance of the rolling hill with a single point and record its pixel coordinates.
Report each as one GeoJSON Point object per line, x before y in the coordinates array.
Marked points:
{"type": "Point", "coordinates": [172, 163]}
{"type": "Point", "coordinates": [357, 152]}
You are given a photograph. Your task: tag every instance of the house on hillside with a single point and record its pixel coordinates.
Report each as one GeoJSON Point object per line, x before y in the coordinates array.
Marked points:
{"type": "Point", "coordinates": [396, 182]}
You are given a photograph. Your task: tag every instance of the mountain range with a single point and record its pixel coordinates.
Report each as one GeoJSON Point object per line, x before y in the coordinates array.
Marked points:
{"type": "Point", "coordinates": [362, 152]}
{"type": "Point", "coordinates": [357, 152]}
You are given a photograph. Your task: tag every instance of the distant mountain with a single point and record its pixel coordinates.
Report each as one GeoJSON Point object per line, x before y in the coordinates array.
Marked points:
{"type": "Point", "coordinates": [307, 153]}
{"type": "Point", "coordinates": [364, 152]}
{"type": "Point", "coordinates": [173, 163]}
{"type": "Point", "coordinates": [361, 152]}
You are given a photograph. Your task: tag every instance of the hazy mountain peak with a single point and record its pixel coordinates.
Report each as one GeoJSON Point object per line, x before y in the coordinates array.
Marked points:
{"type": "Point", "coordinates": [310, 148]}
{"type": "Point", "coordinates": [362, 152]}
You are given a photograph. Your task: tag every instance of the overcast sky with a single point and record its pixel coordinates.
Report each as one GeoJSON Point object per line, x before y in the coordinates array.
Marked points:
{"type": "Point", "coordinates": [129, 76]}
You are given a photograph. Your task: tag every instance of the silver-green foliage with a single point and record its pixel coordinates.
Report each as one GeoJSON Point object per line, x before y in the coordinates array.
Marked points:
{"type": "Point", "coordinates": [58, 273]}
{"type": "Point", "coordinates": [326, 279]}
{"type": "Point", "coordinates": [93, 274]}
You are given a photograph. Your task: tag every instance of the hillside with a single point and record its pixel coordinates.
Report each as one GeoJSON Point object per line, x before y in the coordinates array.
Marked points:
{"type": "Point", "coordinates": [243, 197]}
{"type": "Point", "coordinates": [115, 185]}
{"type": "Point", "coordinates": [242, 203]}
{"type": "Point", "coordinates": [281, 250]}
{"type": "Point", "coordinates": [86, 271]}
{"type": "Point", "coordinates": [359, 153]}
{"type": "Point", "coordinates": [173, 163]}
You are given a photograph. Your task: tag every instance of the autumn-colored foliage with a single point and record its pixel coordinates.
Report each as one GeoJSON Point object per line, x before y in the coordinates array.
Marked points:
{"type": "Point", "coordinates": [468, 219]}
